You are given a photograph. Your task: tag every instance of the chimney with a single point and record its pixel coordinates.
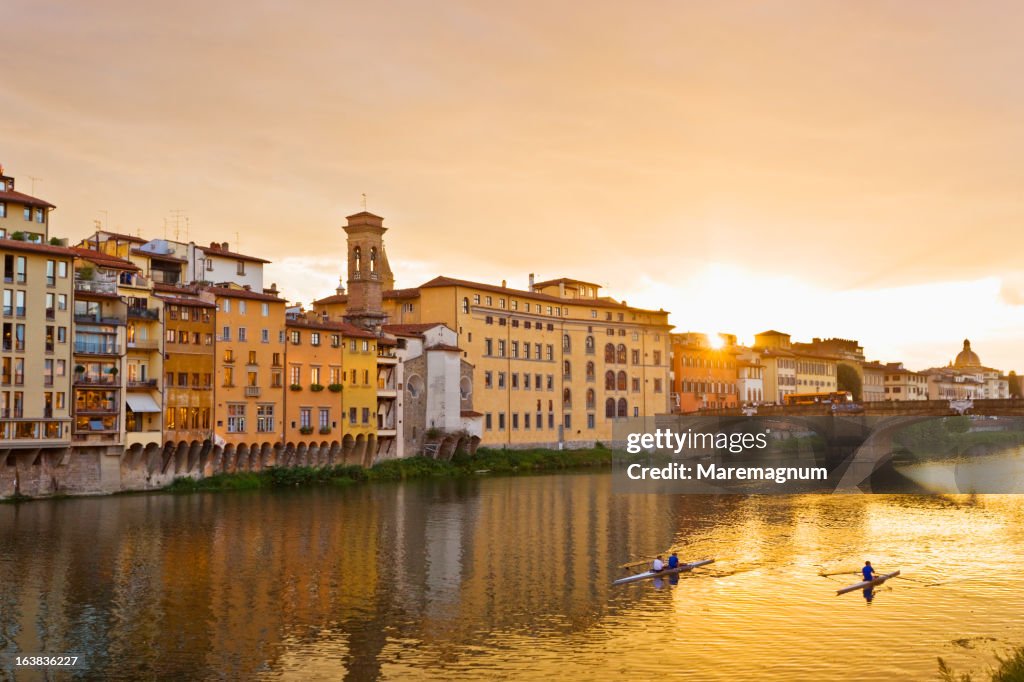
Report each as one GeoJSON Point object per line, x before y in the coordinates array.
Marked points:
{"type": "Point", "coordinates": [561, 290]}
{"type": "Point", "coordinates": [225, 246]}
{"type": "Point", "coordinates": [504, 284]}
{"type": "Point", "coordinates": [531, 281]}
{"type": "Point", "coordinates": [273, 287]}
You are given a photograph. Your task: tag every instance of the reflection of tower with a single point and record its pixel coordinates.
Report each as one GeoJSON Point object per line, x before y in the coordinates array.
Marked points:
{"type": "Point", "coordinates": [369, 274]}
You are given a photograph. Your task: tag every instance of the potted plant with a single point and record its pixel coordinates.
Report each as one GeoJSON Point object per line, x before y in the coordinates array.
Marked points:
{"type": "Point", "coordinates": [79, 369]}
{"type": "Point", "coordinates": [324, 430]}
{"type": "Point", "coordinates": [306, 430]}
{"type": "Point", "coordinates": [295, 387]}
{"type": "Point", "coordinates": [316, 388]}
{"type": "Point", "coordinates": [334, 388]}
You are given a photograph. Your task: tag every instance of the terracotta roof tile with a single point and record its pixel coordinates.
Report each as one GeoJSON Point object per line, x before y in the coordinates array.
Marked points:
{"type": "Point", "coordinates": [217, 251]}
{"type": "Point", "coordinates": [17, 245]}
{"type": "Point", "coordinates": [227, 292]}
{"type": "Point", "coordinates": [104, 260]}
{"type": "Point", "coordinates": [22, 198]}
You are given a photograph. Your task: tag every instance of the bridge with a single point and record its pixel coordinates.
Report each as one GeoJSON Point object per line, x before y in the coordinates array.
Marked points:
{"type": "Point", "coordinates": [1002, 407]}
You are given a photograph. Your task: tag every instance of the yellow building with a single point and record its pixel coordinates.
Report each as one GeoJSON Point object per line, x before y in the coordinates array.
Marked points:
{"type": "Point", "coordinates": [904, 384]}
{"type": "Point", "coordinates": [188, 343]}
{"type": "Point", "coordinates": [249, 374]}
{"type": "Point", "coordinates": [332, 385]}
{"type": "Point", "coordinates": [549, 360]}
{"type": "Point", "coordinates": [815, 373]}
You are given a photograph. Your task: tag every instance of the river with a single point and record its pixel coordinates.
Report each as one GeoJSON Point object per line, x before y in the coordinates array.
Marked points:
{"type": "Point", "coordinates": [507, 578]}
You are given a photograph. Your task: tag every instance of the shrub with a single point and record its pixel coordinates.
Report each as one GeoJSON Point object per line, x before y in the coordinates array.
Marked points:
{"type": "Point", "coordinates": [306, 430]}
{"type": "Point", "coordinates": [316, 388]}
{"type": "Point", "coordinates": [334, 388]}
{"type": "Point", "coordinates": [295, 387]}
{"type": "Point", "coordinates": [324, 430]}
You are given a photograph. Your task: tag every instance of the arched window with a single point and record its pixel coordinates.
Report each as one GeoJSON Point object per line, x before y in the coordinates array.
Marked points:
{"type": "Point", "coordinates": [465, 388]}
{"type": "Point", "coordinates": [609, 352]}
{"type": "Point", "coordinates": [591, 398]}
{"type": "Point", "coordinates": [566, 343]}
{"type": "Point", "coordinates": [357, 263]}
{"type": "Point", "coordinates": [373, 260]}
{"type": "Point", "coordinates": [620, 355]}
{"type": "Point", "coordinates": [567, 398]}
{"type": "Point", "coordinates": [609, 408]}
{"type": "Point", "coordinates": [620, 383]}
{"type": "Point", "coordinates": [465, 305]}
{"type": "Point", "coordinates": [590, 371]}
{"type": "Point", "coordinates": [623, 408]}
{"type": "Point", "coordinates": [414, 385]}
{"type": "Point", "coordinates": [567, 368]}
{"type": "Point", "coordinates": [590, 344]}
{"type": "Point", "coordinates": [609, 380]}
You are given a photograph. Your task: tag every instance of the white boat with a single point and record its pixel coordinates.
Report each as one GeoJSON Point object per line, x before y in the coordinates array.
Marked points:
{"type": "Point", "coordinates": [868, 583]}
{"type": "Point", "coordinates": [682, 568]}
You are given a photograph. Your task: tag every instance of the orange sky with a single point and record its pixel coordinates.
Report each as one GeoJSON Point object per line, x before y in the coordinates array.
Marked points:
{"type": "Point", "coordinates": [825, 168]}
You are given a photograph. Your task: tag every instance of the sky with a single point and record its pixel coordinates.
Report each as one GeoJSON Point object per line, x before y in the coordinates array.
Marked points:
{"type": "Point", "coordinates": [847, 169]}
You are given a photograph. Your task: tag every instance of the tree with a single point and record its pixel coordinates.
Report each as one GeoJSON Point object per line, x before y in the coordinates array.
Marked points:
{"type": "Point", "coordinates": [847, 379]}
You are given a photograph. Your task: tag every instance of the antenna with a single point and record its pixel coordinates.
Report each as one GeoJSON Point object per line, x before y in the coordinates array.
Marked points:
{"type": "Point", "coordinates": [177, 214]}
{"type": "Point", "coordinates": [106, 219]}
{"type": "Point", "coordinates": [364, 201]}
{"type": "Point", "coordinates": [33, 179]}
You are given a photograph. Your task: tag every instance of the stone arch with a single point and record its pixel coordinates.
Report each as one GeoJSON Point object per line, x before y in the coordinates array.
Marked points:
{"type": "Point", "coordinates": [465, 388]}
{"type": "Point", "coordinates": [447, 448]}
{"type": "Point", "coordinates": [359, 451]}
{"type": "Point", "coordinates": [332, 457]}
{"type": "Point", "coordinates": [348, 446]}
{"type": "Point", "coordinates": [414, 385]}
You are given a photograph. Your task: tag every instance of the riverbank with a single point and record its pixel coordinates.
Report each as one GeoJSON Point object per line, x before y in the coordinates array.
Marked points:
{"type": "Point", "coordinates": [485, 462]}
{"type": "Point", "coordinates": [1008, 669]}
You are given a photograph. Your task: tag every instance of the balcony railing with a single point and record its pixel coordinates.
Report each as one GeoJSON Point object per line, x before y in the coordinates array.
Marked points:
{"type": "Point", "coordinates": [144, 313]}
{"type": "Point", "coordinates": [96, 286]}
{"type": "Point", "coordinates": [252, 391]}
{"type": "Point", "coordinates": [144, 344]}
{"type": "Point", "coordinates": [142, 383]}
{"type": "Point", "coordinates": [96, 348]}
{"type": "Point", "coordinates": [88, 380]}
{"type": "Point", "coordinates": [85, 318]}
{"type": "Point", "coordinates": [33, 429]}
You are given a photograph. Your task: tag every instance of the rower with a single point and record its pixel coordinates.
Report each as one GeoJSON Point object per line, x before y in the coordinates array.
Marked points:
{"type": "Point", "coordinates": [657, 565]}
{"type": "Point", "coordinates": [868, 572]}
{"type": "Point", "coordinates": [673, 561]}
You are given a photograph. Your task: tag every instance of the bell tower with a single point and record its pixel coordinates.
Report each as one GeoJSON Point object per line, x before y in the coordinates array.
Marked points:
{"type": "Point", "coordinates": [369, 274]}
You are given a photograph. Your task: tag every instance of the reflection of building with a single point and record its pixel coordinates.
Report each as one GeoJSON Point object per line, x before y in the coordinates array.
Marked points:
{"type": "Point", "coordinates": [704, 376]}
{"type": "Point", "coordinates": [966, 378]}
{"type": "Point", "coordinates": [554, 363]}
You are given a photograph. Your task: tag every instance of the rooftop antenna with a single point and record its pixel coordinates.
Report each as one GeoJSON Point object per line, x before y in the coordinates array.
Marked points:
{"type": "Point", "coordinates": [364, 201]}
{"type": "Point", "coordinates": [187, 225]}
{"type": "Point", "coordinates": [106, 219]}
{"type": "Point", "coordinates": [33, 179]}
{"type": "Point", "coordinates": [177, 214]}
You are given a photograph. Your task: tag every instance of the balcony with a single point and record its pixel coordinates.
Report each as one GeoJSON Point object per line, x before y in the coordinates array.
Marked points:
{"type": "Point", "coordinates": [106, 380]}
{"type": "Point", "coordinates": [142, 384]}
{"type": "Point", "coordinates": [96, 286]}
{"type": "Point", "coordinates": [144, 313]}
{"type": "Point", "coordinates": [97, 348]}
{"type": "Point", "coordinates": [252, 391]}
{"type": "Point", "coordinates": [32, 433]}
{"type": "Point", "coordinates": [144, 344]}
{"type": "Point", "coordinates": [89, 318]}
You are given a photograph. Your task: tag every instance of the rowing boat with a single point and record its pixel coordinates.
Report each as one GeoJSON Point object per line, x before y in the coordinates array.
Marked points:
{"type": "Point", "coordinates": [682, 568]}
{"type": "Point", "coordinates": [868, 583]}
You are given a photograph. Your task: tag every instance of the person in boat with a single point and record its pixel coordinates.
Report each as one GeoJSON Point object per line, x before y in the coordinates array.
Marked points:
{"type": "Point", "coordinates": [657, 566]}
{"type": "Point", "coordinates": [868, 572]}
{"type": "Point", "coordinates": [673, 561]}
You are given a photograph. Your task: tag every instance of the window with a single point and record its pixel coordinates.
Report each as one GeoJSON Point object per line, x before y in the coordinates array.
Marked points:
{"type": "Point", "coordinates": [305, 417]}
{"type": "Point", "coordinates": [501, 348]}
{"type": "Point", "coordinates": [515, 380]}
{"type": "Point", "coordinates": [366, 415]}
{"type": "Point", "coordinates": [476, 299]}
{"type": "Point", "coordinates": [501, 380]}
{"type": "Point", "coordinates": [620, 354]}
{"type": "Point", "coordinates": [515, 421]}
{"type": "Point", "coordinates": [620, 381]}
{"type": "Point", "coordinates": [226, 334]}
{"type": "Point", "coordinates": [20, 272]}
{"type": "Point", "coordinates": [314, 338]}
{"type": "Point", "coordinates": [566, 369]}
{"type": "Point", "coordinates": [657, 385]}
{"type": "Point", "coordinates": [265, 336]}
{"type": "Point", "coordinates": [566, 343]}
{"type": "Point", "coordinates": [226, 305]}
{"type": "Point", "coordinates": [325, 418]}
{"type": "Point", "coordinates": [551, 382]}
{"type": "Point", "coordinates": [590, 421]}
{"type": "Point", "coordinates": [636, 385]}
{"type": "Point", "coordinates": [635, 356]}
{"type": "Point", "coordinates": [240, 267]}
{"type": "Point", "coordinates": [236, 417]}
{"type": "Point", "coordinates": [265, 418]}
{"type": "Point", "coordinates": [590, 371]}
{"type": "Point", "coordinates": [241, 307]}
{"type": "Point", "coordinates": [501, 421]}
{"type": "Point", "coordinates": [314, 375]}
{"type": "Point", "coordinates": [295, 374]}
{"type": "Point", "coordinates": [295, 337]}
{"type": "Point", "coordinates": [657, 357]}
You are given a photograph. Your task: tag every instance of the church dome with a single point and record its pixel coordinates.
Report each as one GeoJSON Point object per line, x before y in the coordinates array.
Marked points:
{"type": "Point", "coordinates": [967, 357]}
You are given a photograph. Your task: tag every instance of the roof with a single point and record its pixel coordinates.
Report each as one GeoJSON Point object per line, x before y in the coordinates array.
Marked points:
{"type": "Point", "coordinates": [227, 292]}
{"type": "Point", "coordinates": [470, 413]}
{"type": "Point", "coordinates": [393, 293]}
{"type": "Point", "coordinates": [230, 254]}
{"type": "Point", "coordinates": [346, 328]}
{"type": "Point", "coordinates": [772, 332]}
{"type": "Point", "coordinates": [104, 260]}
{"type": "Point", "coordinates": [411, 329]}
{"type": "Point", "coordinates": [117, 236]}
{"type": "Point", "coordinates": [564, 280]}
{"type": "Point", "coordinates": [22, 198]}
{"type": "Point", "coordinates": [196, 302]}
{"type": "Point", "coordinates": [176, 288]}
{"type": "Point", "coordinates": [6, 243]}
{"type": "Point", "coordinates": [444, 346]}
{"type": "Point", "coordinates": [443, 281]}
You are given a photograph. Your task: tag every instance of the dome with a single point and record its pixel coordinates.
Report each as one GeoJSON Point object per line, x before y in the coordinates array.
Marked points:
{"type": "Point", "coordinates": [967, 357]}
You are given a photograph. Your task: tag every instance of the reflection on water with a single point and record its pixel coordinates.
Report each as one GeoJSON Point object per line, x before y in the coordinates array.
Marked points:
{"type": "Point", "coordinates": [508, 578]}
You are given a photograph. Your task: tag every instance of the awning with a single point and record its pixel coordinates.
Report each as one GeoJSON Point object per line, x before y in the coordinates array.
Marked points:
{"type": "Point", "coordinates": [142, 402]}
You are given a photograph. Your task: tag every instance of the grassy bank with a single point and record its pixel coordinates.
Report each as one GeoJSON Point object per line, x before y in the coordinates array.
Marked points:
{"type": "Point", "coordinates": [1008, 669]}
{"type": "Point", "coordinates": [500, 462]}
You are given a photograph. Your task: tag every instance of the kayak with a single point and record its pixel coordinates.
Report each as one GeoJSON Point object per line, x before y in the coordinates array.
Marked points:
{"type": "Point", "coordinates": [868, 583]}
{"type": "Point", "coordinates": [682, 568]}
